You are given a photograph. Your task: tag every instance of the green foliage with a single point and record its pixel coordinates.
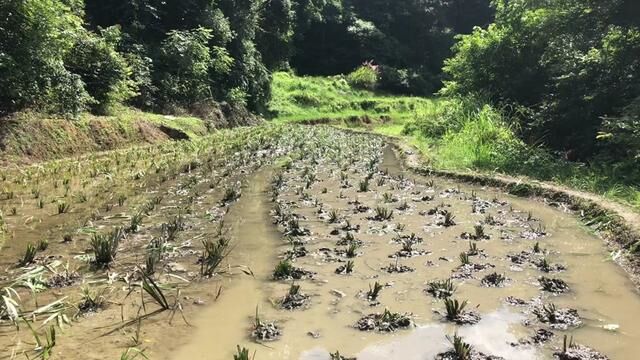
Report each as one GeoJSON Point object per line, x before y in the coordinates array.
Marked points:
{"type": "Point", "coordinates": [561, 66]}
{"type": "Point", "coordinates": [185, 62]}
{"type": "Point", "coordinates": [275, 33]}
{"type": "Point", "coordinates": [364, 77]}
{"type": "Point", "coordinates": [104, 71]}
{"type": "Point", "coordinates": [304, 98]}
{"type": "Point", "coordinates": [36, 37]}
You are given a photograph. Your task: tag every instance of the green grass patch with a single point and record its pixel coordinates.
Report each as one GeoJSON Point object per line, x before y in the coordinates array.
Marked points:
{"type": "Point", "coordinates": [304, 98]}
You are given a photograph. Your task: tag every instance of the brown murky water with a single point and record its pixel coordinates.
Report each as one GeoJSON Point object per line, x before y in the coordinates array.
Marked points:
{"type": "Point", "coordinates": [600, 292]}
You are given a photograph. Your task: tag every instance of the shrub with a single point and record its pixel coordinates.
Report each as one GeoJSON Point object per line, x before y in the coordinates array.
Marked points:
{"type": "Point", "coordinates": [407, 81]}
{"type": "Point", "coordinates": [184, 65]}
{"type": "Point", "coordinates": [105, 72]}
{"type": "Point", "coordinates": [36, 37]}
{"type": "Point", "coordinates": [364, 77]}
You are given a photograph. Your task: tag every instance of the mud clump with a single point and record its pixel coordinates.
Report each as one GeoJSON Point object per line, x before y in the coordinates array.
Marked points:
{"type": "Point", "coordinates": [408, 253]}
{"type": "Point", "coordinates": [466, 271]}
{"type": "Point", "coordinates": [266, 331]}
{"type": "Point", "coordinates": [396, 268]}
{"type": "Point", "coordinates": [296, 252]}
{"type": "Point", "coordinates": [474, 355]}
{"type": "Point", "coordinates": [539, 337]}
{"type": "Point", "coordinates": [63, 279]}
{"type": "Point", "coordinates": [480, 206]}
{"type": "Point", "coordinates": [385, 322]}
{"type": "Point", "coordinates": [544, 266]}
{"type": "Point", "coordinates": [514, 301]}
{"type": "Point", "coordinates": [412, 239]}
{"type": "Point", "coordinates": [494, 280]}
{"type": "Point", "coordinates": [337, 356]}
{"type": "Point", "coordinates": [345, 269]}
{"type": "Point", "coordinates": [466, 318]}
{"type": "Point", "coordinates": [579, 352]}
{"type": "Point", "coordinates": [557, 318]}
{"type": "Point", "coordinates": [294, 301]}
{"type": "Point", "coordinates": [553, 285]}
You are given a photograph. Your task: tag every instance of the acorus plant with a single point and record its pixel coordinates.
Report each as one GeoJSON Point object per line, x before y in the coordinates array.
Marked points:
{"type": "Point", "coordinates": [29, 255]}
{"type": "Point", "coordinates": [105, 246]}
{"type": "Point", "coordinates": [461, 350]}
{"type": "Point", "coordinates": [454, 308]}
{"type": "Point", "coordinates": [441, 289]}
{"type": "Point", "coordinates": [215, 251]}
{"type": "Point", "coordinates": [374, 291]}
{"type": "Point", "coordinates": [243, 354]}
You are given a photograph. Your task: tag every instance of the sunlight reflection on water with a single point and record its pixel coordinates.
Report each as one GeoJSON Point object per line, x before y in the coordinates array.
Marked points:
{"type": "Point", "coordinates": [492, 335]}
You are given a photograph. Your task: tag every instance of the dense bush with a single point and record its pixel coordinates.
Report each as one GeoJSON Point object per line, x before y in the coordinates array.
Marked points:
{"type": "Point", "coordinates": [364, 77]}
{"type": "Point", "coordinates": [104, 71]}
{"type": "Point", "coordinates": [412, 37]}
{"type": "Point", "coordinates": [151, 54]}
{"type": "Point", "coordinates": [184, 64]}
{"type": "Point", "coordinates": [35, 37]}
{"type": "Point", "coordinates": [408, 81]}
{"type": "Point", "coordinates": [563, 65]}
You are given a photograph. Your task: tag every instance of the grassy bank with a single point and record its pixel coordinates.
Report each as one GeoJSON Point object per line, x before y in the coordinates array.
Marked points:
{"type": "Point", "coordinates": [29, 137]}
{"type": "Point", "coordinates": [305, 98]}
{"type": "Point", "coordinates": [452, 134]}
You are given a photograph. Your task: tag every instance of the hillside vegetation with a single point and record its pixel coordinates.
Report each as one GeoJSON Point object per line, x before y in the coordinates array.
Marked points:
{"type": "Point", "coordinates": [547, 89]}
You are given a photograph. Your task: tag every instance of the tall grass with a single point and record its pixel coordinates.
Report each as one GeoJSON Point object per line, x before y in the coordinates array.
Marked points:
{"type": "Point", "coordinates": [468, 134]}
{"type": "Point", "coordinates": [306, 98]}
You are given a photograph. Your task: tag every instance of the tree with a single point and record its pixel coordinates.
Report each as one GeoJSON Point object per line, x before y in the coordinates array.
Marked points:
{"type": "Point", "coordinates": [104, 71]}
{"type": "Point", "coordinates": [35, 38]}
{"type": "Point", "coordinates": [275, 33]}
{"type": "Point", "coordinates": [563, 65]}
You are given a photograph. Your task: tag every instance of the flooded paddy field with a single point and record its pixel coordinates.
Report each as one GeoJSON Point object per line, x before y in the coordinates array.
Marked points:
{"type": "Point", "coordinates": [294, 242]}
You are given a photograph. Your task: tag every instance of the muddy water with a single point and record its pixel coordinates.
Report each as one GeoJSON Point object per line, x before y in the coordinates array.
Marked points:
{"type": "Point", "coordinates": [221, 327]}
{"type": "Point", "coordinates": [600, 291]}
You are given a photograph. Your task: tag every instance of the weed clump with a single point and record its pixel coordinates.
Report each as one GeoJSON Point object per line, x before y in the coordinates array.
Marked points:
{"type": "Point", "coordinates": [494, 280]}
{"type": "Point", "coordinates": [286, 271]}
{"type": "Point", "coordinates": [382, 214]}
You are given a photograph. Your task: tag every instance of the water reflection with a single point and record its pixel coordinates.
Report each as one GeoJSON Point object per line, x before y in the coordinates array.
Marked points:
{"type": "Point", "coordinates": [492, 335]}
